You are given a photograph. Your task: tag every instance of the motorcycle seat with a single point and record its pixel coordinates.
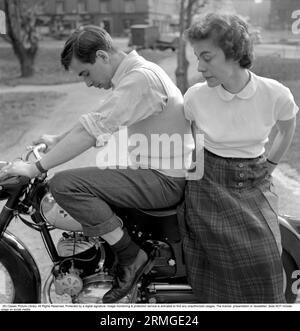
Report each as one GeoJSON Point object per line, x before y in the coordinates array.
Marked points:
{"type": "Point", "coordinates": [160, 212]}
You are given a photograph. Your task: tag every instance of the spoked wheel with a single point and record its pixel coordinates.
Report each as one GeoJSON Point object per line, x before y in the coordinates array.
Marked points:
{"type": "Point", "coordinates": [17, 284]}
{"type": "Point", "coordinates": [7, 289]}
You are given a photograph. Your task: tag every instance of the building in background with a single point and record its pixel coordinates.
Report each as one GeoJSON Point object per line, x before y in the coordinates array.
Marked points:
{"type": "Point", "coordinates": [59, 17]}
{"type": "Point", "coordinates": [257, 12]}
{"type": "Point", "coordinates": [116, 16]}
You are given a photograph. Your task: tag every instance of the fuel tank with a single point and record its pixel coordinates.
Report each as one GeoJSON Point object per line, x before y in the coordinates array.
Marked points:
{"type": "Point", "coordinates": [56, 216]}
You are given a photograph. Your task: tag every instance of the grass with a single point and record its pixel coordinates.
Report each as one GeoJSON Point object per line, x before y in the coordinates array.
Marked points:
{"type": "Point", "coordinates": [273, 67]}
{"type": "Point", "coordinates": [277, 68]}
{"type": "Point", "coordinates": [292, 157]}
{"type": "Point", "coordinates": [48, 70]}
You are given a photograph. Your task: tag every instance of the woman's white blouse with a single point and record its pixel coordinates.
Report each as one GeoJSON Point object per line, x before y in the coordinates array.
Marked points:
{"type": "Point", "coordinates": [238, 125]}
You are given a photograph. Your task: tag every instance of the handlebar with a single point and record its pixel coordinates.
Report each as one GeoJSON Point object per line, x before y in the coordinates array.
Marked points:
{"type": "Point", "coordinates": [35, 150]}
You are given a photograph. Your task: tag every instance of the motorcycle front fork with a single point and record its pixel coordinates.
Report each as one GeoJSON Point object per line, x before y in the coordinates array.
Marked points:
{"type": "Point", "coordinates": [7, 214]}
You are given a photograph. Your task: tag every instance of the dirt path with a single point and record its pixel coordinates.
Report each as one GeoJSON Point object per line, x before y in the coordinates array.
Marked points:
{"type": "Point", "coordinates": [79, 100]}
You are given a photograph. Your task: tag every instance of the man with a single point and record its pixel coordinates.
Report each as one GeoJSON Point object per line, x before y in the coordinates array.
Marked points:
{"type": "Point", "coordinates": [144, 100]}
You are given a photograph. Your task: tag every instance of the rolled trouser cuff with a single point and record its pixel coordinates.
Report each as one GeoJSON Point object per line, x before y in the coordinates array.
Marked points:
{"type": "Point", "coordinates": [102, 228]}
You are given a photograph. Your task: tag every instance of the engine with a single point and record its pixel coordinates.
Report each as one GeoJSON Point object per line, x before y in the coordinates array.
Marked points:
{"type": "Point", "coordinates": [85, 269]}
{"type": "Point", "coordinates": [81, 257]}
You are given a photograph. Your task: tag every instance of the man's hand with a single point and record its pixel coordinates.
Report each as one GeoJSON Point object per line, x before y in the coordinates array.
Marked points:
{"type": "Point", "coordinates": [49, 140]}
{"type": "Point", "coordinates": [19, 168]}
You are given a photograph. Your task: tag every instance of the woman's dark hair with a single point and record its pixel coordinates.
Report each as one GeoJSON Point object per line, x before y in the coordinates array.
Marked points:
{"type": "Point", "coordinates": [84, 43]}
{"type": "Point", "coordinates": [229, 32]}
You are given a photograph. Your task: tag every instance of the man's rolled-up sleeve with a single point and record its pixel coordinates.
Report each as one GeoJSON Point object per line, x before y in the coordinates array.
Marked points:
{"type": "Point", "coordinates": [139, 95]}
{"type": "Point", "coordinates": [92, 123]}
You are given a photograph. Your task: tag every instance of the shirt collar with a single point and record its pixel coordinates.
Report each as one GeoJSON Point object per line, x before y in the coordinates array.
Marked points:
{"type": "Point", "coordinates": [125, 66]}
{"type": "Point", "coordinates": [246, 93]}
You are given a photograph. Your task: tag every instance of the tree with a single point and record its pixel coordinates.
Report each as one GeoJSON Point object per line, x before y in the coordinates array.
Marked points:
{"type": "Point", "coordinates": [188, 10]}
{"type": "Point", "coordinates": [22, 32]}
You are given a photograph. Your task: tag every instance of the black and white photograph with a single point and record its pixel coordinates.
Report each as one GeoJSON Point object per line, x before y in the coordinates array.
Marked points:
{"type": "Point", "coordinates": [149, 157]}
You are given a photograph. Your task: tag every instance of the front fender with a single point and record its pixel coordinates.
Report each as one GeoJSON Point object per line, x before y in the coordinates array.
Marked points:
{"type": "Point", "coordinates": [290, 239]}
{"type": "Point", "coordinates": [24, 262]}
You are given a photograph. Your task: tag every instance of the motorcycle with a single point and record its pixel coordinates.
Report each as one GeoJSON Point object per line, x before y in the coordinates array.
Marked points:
{"type": "Point", "coordinates": [83, 266]}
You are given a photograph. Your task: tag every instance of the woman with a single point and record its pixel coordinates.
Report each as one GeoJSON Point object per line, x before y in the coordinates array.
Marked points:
{"type": "Point", "coordinates": [229, 218]}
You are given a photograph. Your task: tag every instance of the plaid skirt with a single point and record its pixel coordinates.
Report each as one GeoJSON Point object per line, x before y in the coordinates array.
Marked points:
{"type": "Point", "coordinates": [230, 231]}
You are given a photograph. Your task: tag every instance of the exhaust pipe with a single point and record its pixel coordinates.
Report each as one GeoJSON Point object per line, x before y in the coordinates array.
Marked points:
{"type": "Point", "coordinates": [168, 287]}
{"type": "Point", "coordinates": [170, 293]}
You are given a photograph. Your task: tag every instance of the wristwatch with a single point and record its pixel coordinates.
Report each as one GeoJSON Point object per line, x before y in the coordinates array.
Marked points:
{"type": "Point", "coordinates": [40, 167]}
{"type": "Point", "coordinates": [272, 162]}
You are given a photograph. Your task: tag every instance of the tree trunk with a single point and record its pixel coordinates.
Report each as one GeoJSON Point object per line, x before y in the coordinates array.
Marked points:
{"type": "Point", "coordinates": [27, 65]}
{"type": "Point", "coordinates": [182, 62]}
{"type": "Point", "coordinates": [182, 68]}
{"type": "Point", "coordinates": [22, 35]}
{"type": "Point", "coordinates": [186, 13]}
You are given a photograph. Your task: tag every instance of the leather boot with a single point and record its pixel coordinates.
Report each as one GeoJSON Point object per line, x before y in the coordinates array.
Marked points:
{"type": "Point", "coordinates": [126, 277]}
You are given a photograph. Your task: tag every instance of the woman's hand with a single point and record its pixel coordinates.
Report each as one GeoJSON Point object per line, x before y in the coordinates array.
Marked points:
{"type": "Point", "coordinates": [49, 140]}
{"type": "Point", "coordinates": [19, 168]}
{"type": "Point", "coordinates": [270, 167]}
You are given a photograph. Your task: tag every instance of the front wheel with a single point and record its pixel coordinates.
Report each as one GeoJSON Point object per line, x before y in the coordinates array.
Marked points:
{"type": "Point", "coordinates": [7, 291]}
{"type": "Point", "coordinates": [16, 281]}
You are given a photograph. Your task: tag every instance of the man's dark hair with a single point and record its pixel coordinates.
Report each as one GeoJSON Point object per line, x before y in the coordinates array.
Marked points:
{"type": "Point", "coordinates": [84, 43]}
{"type": "Point", "coordinates": [229, 32]}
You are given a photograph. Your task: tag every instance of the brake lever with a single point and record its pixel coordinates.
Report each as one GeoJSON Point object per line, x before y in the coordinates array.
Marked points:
{"type": "Point", "coordinates": [35, 150]}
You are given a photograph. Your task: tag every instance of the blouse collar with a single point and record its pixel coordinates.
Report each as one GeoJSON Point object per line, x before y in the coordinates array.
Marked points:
{"type": "Point", "coordinates": [246, 93]}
